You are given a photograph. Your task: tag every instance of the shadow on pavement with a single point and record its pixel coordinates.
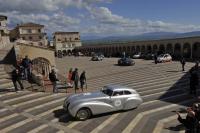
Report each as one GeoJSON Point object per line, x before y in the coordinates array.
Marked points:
{"type": "Point", "coordinates": [180, 92]}
{"type": "Point", "coordinates": [63, 116]}
{"type": "Point", "coordinates": [176, 128]}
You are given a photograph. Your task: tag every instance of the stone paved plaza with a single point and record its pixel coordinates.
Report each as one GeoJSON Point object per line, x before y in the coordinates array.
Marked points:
{"type": "Point", "coordinates": [163, 87]}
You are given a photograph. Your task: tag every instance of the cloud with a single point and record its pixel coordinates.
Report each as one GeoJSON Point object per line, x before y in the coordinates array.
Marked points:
{"type": "Point", "coordinates": [35, 6]}
{"type": "Point", "coordinates": [103, 16]}
{"type": "Point", "coordinates": [88, 19]}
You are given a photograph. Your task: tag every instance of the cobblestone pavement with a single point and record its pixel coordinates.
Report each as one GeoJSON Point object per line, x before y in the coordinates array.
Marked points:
{"type": "Point", "coordinates": [163, 87]}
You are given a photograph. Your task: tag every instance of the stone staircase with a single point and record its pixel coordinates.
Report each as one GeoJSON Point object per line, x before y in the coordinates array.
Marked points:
{"type": "Point", "coordinates": [6, 83]}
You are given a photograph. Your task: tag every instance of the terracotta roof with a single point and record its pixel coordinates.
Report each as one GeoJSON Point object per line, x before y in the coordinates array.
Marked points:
{"type": "Point", "coordinates": [60, 32]}
{"type": "Point", "coordinates": [30, 25]}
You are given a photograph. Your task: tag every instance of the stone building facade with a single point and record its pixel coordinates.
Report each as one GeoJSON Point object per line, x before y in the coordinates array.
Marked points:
{"type": "Point", "coordinates": [66, 42]}
{"type": "Point", "coordinates": [31, 33]}
{"type": "Point", "coordinates": [189, 47]}
{"type": "Point", "coordinates": [4, 33]}
{"type": "Point", "coordinates": [43, 58]}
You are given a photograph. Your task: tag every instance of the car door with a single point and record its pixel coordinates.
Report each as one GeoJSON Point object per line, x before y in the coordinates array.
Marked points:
{"type": "Point", "coordinates": [118, 100]}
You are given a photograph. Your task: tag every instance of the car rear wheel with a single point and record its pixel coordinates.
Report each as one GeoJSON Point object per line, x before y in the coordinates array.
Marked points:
{"type": "Point", "coordinates": [83, 114]}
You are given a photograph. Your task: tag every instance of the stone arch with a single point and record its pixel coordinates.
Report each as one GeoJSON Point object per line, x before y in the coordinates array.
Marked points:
{"type": "Point", "coordinates": [143, 49]}
{"type": "Point", "coordinates": [138, 49]}
{"type": "Point", "coordinates": [186, 50]}
{"type": "Point", "coordinates": [161, 48]}
{"type": "Point", "coordinates": [177, 50]}
{"type": "Point", "coordinates": [169, 48]}
{"type": "Point", "coordinates": [69, 52]}
{"type": "Point", "coordinates": [155, 48]}
{"type": "Point", "coordinates": [124, 49]}
{"type": "Point", "coordinates": [42, 66]}
{"type": "Point", "coordinates": [132, 49]}
{"type": "Point", "coordinates": [149, 49]}
{"type": "Point", "coordinates": [196, 50]}
{"type": "Point", "coordinates": [129, 49]}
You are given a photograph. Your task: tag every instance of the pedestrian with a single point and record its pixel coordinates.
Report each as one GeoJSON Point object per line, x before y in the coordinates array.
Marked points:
{"type": "Point", "coordinates": [190, 122]}
{"type": "Point", "coordinates": [155, 58]}
{"type": "Point", "coordinates": [75, 79]}
{"type": "Point", "coordinates": [183, 62]}
{"type": "Point", "coordinates": [53, 79]}
{"type": "Point", "coordinates": [196, 109]}
{"type": "Point", "coordinates": [69, 77]}
{"type": "Point", "coordinates": [16, 77]}
{"type": "Point", "coordinates": [197, 65]}
{"type": "Point", "coordinates": [27, 64]}
{"type": "Point", "coordinates": [194, 81]}
{"type": "Point", "coordinates": [82, 79]}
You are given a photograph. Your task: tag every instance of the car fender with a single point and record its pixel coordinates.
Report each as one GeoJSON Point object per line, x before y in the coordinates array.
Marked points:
{"type": "Point", "coordinates": [132, 102]}
{"type": "Point", "coordinates": [96, 107]}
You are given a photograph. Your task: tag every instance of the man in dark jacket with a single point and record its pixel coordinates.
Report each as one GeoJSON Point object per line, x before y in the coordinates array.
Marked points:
{"type": "Point", "coordinates": [155, 58]}
{"type": "Point", "coordinates": [82, 79]}
{"type": "Point", "coordinates": [26, 63]}
{"type": "Point", "coordinates": [183, 63]}
{"type": "Point", "coordinates": [53, 79]}
{"type": "Point", "coordinates": [75, 78]}
{"type": "Point", "coordinates": [16, 77]}
{"type": "Point", "coordinates": [190, 123]}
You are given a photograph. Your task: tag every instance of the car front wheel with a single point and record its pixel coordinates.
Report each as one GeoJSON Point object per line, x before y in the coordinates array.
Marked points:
{"type": "Point", "coordinates": [83, 114]}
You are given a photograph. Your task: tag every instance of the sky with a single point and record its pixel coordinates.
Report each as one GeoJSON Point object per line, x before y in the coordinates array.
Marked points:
{"type": "Point", "coordinates": [105, 17]}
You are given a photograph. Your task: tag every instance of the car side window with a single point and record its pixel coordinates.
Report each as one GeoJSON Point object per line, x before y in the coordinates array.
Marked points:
{"type": "Point", "coordinates": [127, 92]}
{"type": "Point", "coordinates": [117, 93]}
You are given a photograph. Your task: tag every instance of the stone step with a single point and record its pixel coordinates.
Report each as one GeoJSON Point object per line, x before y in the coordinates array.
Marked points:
{"type": "Point", "coordinates": [2, 73]}
{"type": "Point", "coordinates": [6, 85]}
{"type": "Point", "coordinates": [2, 81]}
{"type": "Point", "coordinates": [5, 76]}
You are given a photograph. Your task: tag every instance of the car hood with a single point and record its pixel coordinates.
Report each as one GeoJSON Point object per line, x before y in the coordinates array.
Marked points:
{"type": "Point", "coordinates": [160, 58]}
{"type": "Point", "coordinates": [87, 96]}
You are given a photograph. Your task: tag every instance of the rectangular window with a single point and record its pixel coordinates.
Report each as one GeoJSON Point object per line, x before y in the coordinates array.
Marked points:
{"type": "Point", "coordinates": [29, 31]}
{"type": "Point", "coordinates": [64, 45]}
{"type": "Point", "coordinates": [40, 37]}
{"type": "Point", "coordinates": [39, 30]}
{"type": "Point", "coordinates": [30, 37]}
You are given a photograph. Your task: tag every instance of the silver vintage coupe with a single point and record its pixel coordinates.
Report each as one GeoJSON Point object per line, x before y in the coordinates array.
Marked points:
{"type": "Point", "coordinates": [110, 98]}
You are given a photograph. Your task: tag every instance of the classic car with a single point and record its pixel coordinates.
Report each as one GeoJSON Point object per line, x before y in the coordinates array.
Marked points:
{"type": "Point", "coordinates": [137, 55]}
{"type": "Point", "coordinates": [164, 58]}
{"type": "Point", "coordinates": [126, 62]}
{"type": "Point", "coordinates": [97, 58]}
{"type": "Point", "coordinates": [110, 98]}
{"type": "Point", "coordinates": [149, 56]}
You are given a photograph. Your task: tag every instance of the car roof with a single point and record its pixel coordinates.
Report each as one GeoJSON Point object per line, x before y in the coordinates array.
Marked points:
{"type": "Point", "coordinates": [117, 87]}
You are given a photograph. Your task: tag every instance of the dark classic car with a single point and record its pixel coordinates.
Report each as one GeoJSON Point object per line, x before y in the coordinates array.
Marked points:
{"type": "Point", "coordinates": [126, 62]}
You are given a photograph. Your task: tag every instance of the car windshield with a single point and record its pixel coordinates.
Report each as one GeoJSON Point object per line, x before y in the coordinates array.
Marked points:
{"type": "Point", "coordinates": [161, 55]}
{"type": "Point", "coordinates": [107, 92]}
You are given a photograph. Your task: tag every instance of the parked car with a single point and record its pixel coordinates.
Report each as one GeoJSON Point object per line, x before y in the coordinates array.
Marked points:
{"type": "Point", "coordinates": [110, 98]}
{"type": "Point", "coordinates": [126, 62]}
{"type": "Point", "coordinates": [137, 55]}
{"type": "Point", "coordinates": [96, 58]}
{"type": "Point", "coordinates": [164, 58]}
{"type": "Point", "coordinates": [149, 56]}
